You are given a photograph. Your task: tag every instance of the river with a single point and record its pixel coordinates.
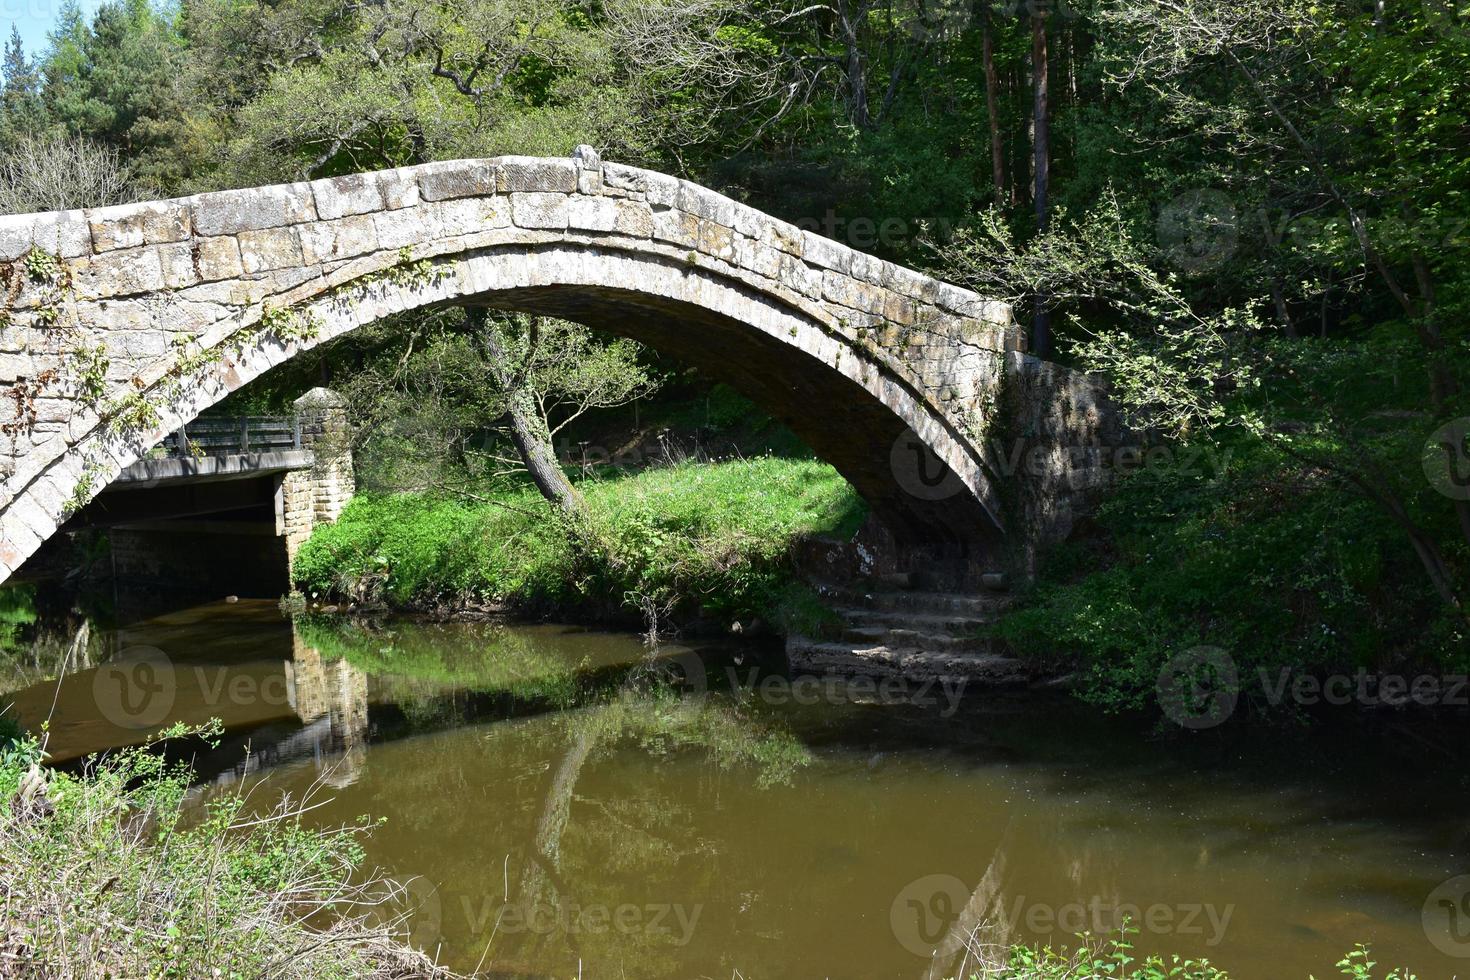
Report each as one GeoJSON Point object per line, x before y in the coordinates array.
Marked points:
{"type": "Point", "coordinates": [563, 803]}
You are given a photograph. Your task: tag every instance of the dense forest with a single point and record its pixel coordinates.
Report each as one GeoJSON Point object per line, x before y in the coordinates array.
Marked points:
{"type": "Point", "coordinates": [1250, 217]}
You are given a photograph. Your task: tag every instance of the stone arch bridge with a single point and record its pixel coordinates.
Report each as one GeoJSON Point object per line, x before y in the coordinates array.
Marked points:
{"type": "Point", "coordinates": [119, 324]}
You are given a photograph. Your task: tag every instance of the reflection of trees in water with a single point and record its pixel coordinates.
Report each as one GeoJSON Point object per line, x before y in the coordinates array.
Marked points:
{"type": "Point", "coordinates": [35, 648]}
{"type": "Point", "coordinates": [415, 665]}
{"type": "Point", "coordinates": [640, 828]}
{"type": "Point", "coordinates": [585, 833]}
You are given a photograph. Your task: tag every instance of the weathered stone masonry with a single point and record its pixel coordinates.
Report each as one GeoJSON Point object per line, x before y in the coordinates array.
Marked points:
{"type": "Point", "coordinates": [159, 310]}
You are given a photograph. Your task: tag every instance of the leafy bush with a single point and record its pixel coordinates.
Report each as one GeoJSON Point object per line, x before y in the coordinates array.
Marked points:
{"type": "Point", "coordinates": [1277, 564]}
{"type": "Point", "coordinates": [715, 537]}
{"type": "Point", "coordinates": [109, 874]}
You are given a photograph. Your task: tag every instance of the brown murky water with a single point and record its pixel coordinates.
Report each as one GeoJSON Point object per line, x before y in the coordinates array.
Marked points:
{"type": "Point", "coordinates": [559, 814]}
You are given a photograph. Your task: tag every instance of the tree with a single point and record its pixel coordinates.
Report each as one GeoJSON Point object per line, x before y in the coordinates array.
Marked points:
{"type": "Point", "coordinates": [1041, 161]}
{"type": "Point", "coordinates": [58, 173]}
{"type": "Point", "coordinates": [21, 108]}
{"type": "Point", "coordinates": [439, 397]}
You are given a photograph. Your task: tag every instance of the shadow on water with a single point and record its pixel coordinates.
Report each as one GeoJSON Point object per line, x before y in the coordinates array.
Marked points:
{"type": "Point", "coordinates": [560, 801]}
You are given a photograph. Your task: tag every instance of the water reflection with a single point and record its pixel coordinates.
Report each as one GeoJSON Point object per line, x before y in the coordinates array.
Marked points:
{"type": "Point", "coordinates": [563, 803]}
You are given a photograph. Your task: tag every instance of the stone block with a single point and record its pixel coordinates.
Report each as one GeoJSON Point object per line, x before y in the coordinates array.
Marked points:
{"type": "Point", "coordinates": [522, 174]}
{"type": "Point", "coordinates": [678, 227]}
{"type": "Point", "coordinates": [15, 235]}
{"type": "Point", "coordinates": [216, 258]}
{"type": "Point", "coordinates": [706, 204]}
{"type": "Point", "coordinates": [407, 226]}
{"type": "Point", "coordinates": [659, 190]}
{"type": "Point", "coordinates": [269, 248]}
{"type": "Point", "coordinates": [758, 257]}
{"type": "Point", "coordinates": [120, 273]}
{"type": "Point", "coordinates": [64, 233]}
{"type": "Point", "coordinates": [400, 188]}
{"type": "Point", "coordinates": [470, 215]}
{"type": "Point", "coordinates": [132, 225]}
{"type": "Point", "coordinates": [177, 260]}
{"type": "Point", "coordinates": [592, 214]}
{"type": "Point", "coordinates": [339, 197]}
{"type": "Point", "coordinates": [325, 241]}
{"type": "Point", "coordinates": [229, 212]}
{"type": "Point", "coordinates": [958, 300]}
{"type": "Point", "coordinates": [633, 218]}
{"type": "Point", "coordinates": [456, 179]}
{"type": "Point", "coordinates": [826, 253]}
{"type": "Point", "coordinates": [717, 240]}
{"type": "Point", "coordinates": [799, 276]}
{"type": "Point", "coordinates": [532, 210]}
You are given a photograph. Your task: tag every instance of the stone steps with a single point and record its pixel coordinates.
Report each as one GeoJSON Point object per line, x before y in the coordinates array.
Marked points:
{"type": "Point", "coordinates": [935, 623]}
{"type": "Point", "coordinates": [897, 630]}
{"type": "Point", "coordinates": [978, 607]}
{"type": "Point", "coordinates": [904, 637]}
{"type": "Point", "coordinates": [908, 663]}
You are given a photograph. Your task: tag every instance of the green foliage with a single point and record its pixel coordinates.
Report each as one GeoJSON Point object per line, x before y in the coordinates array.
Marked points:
{"type": "Point", "coordinates": [716, 538]}
{"type": "Point", "coordinates": [157, 888]}
{"type": "Point", "coordinates": [1114, 957]}
{"type": "Point", "coordinates": [1280, 567]}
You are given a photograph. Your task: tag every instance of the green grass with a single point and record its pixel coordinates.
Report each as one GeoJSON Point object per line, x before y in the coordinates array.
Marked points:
{"type": "Point", "coordinates": [714, 539]}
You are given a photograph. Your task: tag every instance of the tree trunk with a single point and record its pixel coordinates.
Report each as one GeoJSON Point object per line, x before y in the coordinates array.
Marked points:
{"type": "Point", "coordinates": [529, 431]}
{"type": "Point", "coordinates": [856, 66]}
{"type": "Point", "coordinates": [1041, 150]}
{"type": "Point", "coordinates": [987, 54]}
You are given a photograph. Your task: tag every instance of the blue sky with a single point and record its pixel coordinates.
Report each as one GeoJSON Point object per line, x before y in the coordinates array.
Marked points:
{"type": "Point", "coordinates": [35, 18]}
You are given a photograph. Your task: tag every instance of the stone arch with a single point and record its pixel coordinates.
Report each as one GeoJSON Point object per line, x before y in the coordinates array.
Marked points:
{"type": "Point", "coordinates": [155, 312]}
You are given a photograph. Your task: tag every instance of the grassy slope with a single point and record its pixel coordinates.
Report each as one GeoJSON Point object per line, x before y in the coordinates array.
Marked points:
{"type": "Point", "coordinates": [716, 536]}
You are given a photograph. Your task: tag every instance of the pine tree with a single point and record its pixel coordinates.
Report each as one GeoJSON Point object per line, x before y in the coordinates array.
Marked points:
{"type": "Point", "coordinates": [21, 108]}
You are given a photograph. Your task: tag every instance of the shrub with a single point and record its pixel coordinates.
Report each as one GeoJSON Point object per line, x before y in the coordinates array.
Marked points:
{"type": "Point", "coordinates": [109, 874]}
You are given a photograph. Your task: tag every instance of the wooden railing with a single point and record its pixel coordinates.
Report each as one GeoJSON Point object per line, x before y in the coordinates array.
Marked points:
{"type": "Point", "coordinates": [222, 435]}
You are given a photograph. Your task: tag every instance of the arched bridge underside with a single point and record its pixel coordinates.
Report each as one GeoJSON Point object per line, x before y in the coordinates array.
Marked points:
{"type": "Point", "coordinates": [121, 323]}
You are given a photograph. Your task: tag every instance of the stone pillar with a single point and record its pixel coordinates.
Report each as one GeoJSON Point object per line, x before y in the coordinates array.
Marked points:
{"type": "Point", "coordinates": [317, 496]}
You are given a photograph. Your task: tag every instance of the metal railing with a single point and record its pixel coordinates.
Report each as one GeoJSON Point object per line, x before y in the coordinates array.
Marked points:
{"type": "Point", "coordinates": [220, 435]}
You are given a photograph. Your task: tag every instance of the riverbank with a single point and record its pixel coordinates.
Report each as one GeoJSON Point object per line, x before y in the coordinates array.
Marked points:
{"type": "Point", "coordinates": [1153, 592]}
{"type": "Point", "coordinates": [709, 544]}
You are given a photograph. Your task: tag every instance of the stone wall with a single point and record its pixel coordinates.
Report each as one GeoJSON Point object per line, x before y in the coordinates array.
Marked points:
{"type": "Point", "coordinates": [316, 496]}
{"type": "Point", "coordinates": [1054, 435]}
